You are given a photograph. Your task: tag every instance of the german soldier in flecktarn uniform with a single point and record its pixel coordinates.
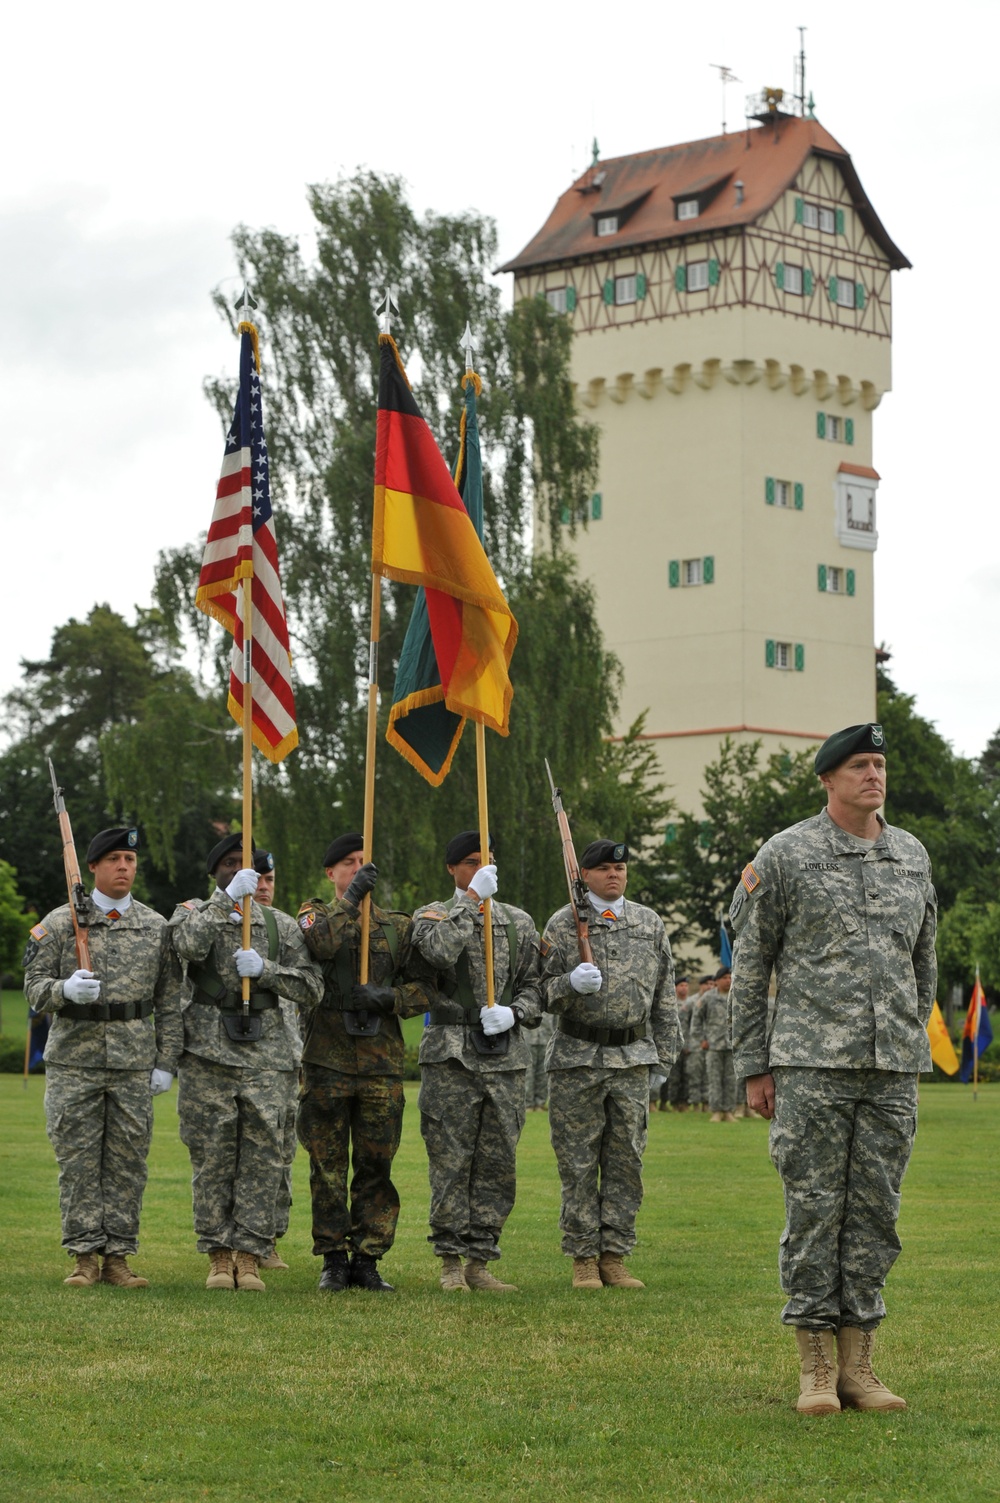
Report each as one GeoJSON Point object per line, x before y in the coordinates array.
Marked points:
{"type": "Point", "coordinates": [234, 1092]}
{"type": "Point", "coordinates": [351, 1104]}
{"type": "Point", "coordinates": [473, 1063]}
{"type": "Point", "coordinates": [841, 909]}
{"type": "Point", "coordinates": [113, 1045]}
{"type": "Point", "coordinates": [615, 1019]}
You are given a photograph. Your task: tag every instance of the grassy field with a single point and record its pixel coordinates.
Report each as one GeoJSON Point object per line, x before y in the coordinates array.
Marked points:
{"type": "Point", "coordinates": [682, 1393]}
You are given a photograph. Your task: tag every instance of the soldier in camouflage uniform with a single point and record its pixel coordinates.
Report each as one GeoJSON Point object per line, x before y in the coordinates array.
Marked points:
{"type": "Point", "coordinates": [536, 1081]}
{"type": "Point", "coordinates": [696, 1058]}
{"type": "Point", "coordinates": [263, 865]}
{"type": "Point", "coordinates": [233, 1097]}
{"type": "Point", "coordinates": [673, 1091]}
{"type": "Point", "coordinates": [842, 910]}
{"type": "Point", "coordinates": [351, 1109]}
{"type": "Point", "coordinates": [715, 1025]}
{"type": "Point", "coordinates": [473, 1060]}
{"type": "Point", "coordinates": [113, 1045]}
{"type": "Point", "coordinates": [614, 1019]}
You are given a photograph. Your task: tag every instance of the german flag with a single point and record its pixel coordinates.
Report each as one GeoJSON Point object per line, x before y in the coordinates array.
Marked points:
{"type": "Point", "coordinates": [423, 534]}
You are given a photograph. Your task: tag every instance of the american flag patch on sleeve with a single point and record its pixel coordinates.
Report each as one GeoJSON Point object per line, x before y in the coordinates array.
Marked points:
{"type": "Point", "coordinates": [39, 932]}
{"type": "Point", "coordinates": [749, 877]}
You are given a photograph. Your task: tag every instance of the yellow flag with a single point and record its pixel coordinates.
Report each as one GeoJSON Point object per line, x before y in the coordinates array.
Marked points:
{"type": "Point", "coordinates": [942, 1049]}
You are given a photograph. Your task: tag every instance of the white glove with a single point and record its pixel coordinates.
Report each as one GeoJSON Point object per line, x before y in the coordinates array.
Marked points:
{"type": "Point", "coordinates": [484, 882]}
{"type": "Point", "coordinates": [248, 963]}
{"type": "Point", "coordinates": [82, 986]}
{"type": "Point", "coordinates": [496, 1019]}
{"type": "Point", "coordinates": [160, 1081]}
{"type": "Point", "coordinates": [244, 882]}
{"type": "Point", "coordinates": [586, 978]}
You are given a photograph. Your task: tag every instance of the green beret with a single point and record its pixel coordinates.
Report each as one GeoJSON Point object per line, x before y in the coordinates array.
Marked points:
{"type": "Point", "coordinates": [107, 841]}
{"type": "Point", "coordinates": [599, 851]}
{"type": "Point", "coordinates": [843, 744]}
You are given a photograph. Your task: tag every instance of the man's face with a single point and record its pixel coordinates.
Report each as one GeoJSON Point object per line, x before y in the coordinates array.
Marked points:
{"type": "Point", "coordinates": [228, 867]}
{"type": "Point", "coordinates": [341, 872]}
{"type": "Point", "coordinates": [858, 784]}
{"type": "Point", "coordinates": [606, 880]}
{"type": "Point", "coordinates": [115, 873]}
{"type": "Point", "coordinates": [265, 889]}
{"type": "Point", "coordinates": [723, 984]}
{"type": "Point", "coordinates": [681, 990]}
{"type": "Point", "coordinates": [467, 868]}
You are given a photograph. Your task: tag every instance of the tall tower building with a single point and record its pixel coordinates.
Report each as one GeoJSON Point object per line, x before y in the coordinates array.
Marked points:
{"type": "Point", "coordinates": [731, 310]}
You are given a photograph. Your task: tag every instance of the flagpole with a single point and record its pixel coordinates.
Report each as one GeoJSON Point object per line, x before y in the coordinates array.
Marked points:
{"type": "Point", "coordinates": [369, 817]}
{"type": "Point", "coordinates": [484, 856]}
{"type": "Point", "coordinates": [247, 812]}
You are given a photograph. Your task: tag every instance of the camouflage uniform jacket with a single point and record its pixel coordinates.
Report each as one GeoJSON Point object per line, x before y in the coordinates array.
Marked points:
{"type": "Point", "coordinates": [134, 961]}
{"type": "Point", "coordinates": [441, 932]}
{"type": "Point", "coordinates": [201, 928]}
{"type": "Point", "coordinates": [849, 935]}
{"type": "Point", "coordinates": [684, 1009]}
{"type": "Point", "coordinates": [696, 1022]}
{"type": "Point", "coordinates": [332, 934]}
{"type": "Point", "coordinates": [715, 1019]}
{"type": "Point", "coordinates": [633, 956]}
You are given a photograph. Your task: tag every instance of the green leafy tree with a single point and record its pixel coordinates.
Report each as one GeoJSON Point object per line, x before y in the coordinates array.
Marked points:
{"type": "Point", "coordinates": [14, 922]}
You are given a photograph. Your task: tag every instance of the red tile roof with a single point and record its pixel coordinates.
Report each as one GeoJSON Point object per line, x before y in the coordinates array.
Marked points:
{"type": "Point", "coordinates": [865, 471]}
{"type": "Point", "coordinates": [645, 187]}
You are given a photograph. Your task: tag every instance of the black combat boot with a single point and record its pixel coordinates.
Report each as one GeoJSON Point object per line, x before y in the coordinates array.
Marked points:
{"type": "Point", "coordinates": [336, 1272]}
{"type": "Point", "coordinates": [365, 1274]}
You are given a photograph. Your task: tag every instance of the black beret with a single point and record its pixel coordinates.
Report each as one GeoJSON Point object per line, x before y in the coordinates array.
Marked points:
{"type": "Point", "coordinates": [460, 846]}
{"type": "Point", "coordinates": [704, 980]}
{"type": "Point", "coordinates": [106, 841]}
{"type": "Point", "coordinates": [226, 844]}
{"type": "Point", "coordinates": [724, 970]}
{"type": "Point", "coordinates": [679, 979]}
{"type": "Point", "coordinates": [344, 845]}
{"type": "Point", "coordinates": [263, 862]}
{"type": "Point", "coordinates": [843, 744]}
{"type": "Point", "coordinates": [599, 851]}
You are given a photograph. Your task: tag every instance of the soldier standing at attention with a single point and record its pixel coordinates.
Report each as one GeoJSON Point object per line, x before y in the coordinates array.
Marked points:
{"type": "Point", "coordinates": [715, 1022]}
{"type": "Point", "coordinates": [841, 908]}
{"type": "Point", "coordinates": [536, 1081]}
{"type": "Point", "coordinates": [473, 1060]}
{"type": "Point", "coordinates": [113, 1045]}
{"type": "Point", "coordinates": [696, 1059]}
{"type": "Point", "coordinates": [614, 1019]}
{"type": "Point", "coordinates": [351, 1107]}
{"type": "Point", "coordinates": [673, 1092]}
{"type": "Point", "coordinates": [233, 1084]}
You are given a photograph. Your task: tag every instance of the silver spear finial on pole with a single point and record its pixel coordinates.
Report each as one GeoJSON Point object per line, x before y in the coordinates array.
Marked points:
{"type": "Point", "coordinates": [387, 303]}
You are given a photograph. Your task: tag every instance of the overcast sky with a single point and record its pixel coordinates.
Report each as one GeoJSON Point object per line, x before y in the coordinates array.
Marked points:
{"type": "Point", "coordinates": [137, 137]}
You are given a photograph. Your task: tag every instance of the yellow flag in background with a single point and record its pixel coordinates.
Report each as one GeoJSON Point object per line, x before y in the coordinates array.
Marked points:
{"type": "Point", "coordinates": [942, 1050]}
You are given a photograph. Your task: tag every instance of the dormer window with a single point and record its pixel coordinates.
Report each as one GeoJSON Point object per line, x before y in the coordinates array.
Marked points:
{"type": "Point", "coordinates": [607, 224]}
{"type": "Point", "coordinates": [687, 208]}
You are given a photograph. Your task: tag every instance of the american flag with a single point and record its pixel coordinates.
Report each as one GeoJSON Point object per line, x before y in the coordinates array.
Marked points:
{"type": "Point", "coordinates": [241, 545]}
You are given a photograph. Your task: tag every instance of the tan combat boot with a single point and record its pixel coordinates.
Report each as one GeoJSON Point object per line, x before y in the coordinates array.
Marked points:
{"type": "Point", "coordinates": [247, 1276]}
{"type": "Point", "coordinates": [86, 1270]}
{"type": "Point", "coordinates": [116, 1271]}
{"type": "Point", "coordinates": [857, 1385]}
{"type": "Point", "coordinates": [453, 1274]}
{"type": "Point", "coordinates": [274, 1261]}
{"type": "Point", "coordinates": [729, 1116]}
{"type": "Point", "coordinates": [478, 1276]}
{"type": "Point", "coordinates": [716, 1117]}
{"type": "Point", "coordinates": [586, 1274]}
{"type": "Point", "coordinates": [817, 1372]}
{"type": "Point", "coordinates": [223, 1274]}
{"type": "Point", "coordinates": [614, 1273]}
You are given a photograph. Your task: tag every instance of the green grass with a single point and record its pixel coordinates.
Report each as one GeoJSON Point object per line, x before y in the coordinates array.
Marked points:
{"type": "Point", "coordinates": [683, 1392]}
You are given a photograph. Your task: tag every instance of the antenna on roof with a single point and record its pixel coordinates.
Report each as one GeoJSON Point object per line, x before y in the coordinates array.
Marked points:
{"type": "Point", "coordinates": [726, 76]}
{"type": "Point", "coordinates": [800, 70]}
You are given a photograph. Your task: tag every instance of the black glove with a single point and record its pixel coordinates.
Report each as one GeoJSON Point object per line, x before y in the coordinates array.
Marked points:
{"type": "Point", "coordinates": [361, 884]}
{"type": "Point", "coordinates": [368, 998]}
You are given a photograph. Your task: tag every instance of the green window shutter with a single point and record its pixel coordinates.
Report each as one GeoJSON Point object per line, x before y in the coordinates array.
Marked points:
{"type": "Point", "coordinates": [821, 576]}
{"type": "Point", "coordinates": [859, 294]}
{"type": "Point", "coordinates": [798, 211]}
{"type": "Point", "coordinates": [713, 273]}
{"type": "Point", "coordinates": [800, 495]}
{"type": "Point", "coordinates": [669, 834]}
{"type": "Point", "coordinates": [596, 506]}
{"type": "Point", "coordinates": [640, 286]}
{"type": "Point", "coordinates": [779, 274]}
{"type": "Point", "coordinates": [840, 221]}
{"type": "Point", "coordinates": [832, 289]}
{"type": "Point", "coordinates": [807, 282]}
{"type": "Point", "coordinates": [769, 653]}
{"type": "Point", "coordinates": [800, 657]}
{"type": "Point", "coordinates": [609, 291]}
{"type": "Point", "coordinates": [708, 569]}
{"type": "Point", "coordinates": [674, 573]}
{"type": "Point", "coordinates": [564, 515]}
{"type": "Point", "coordinates": [704, 834]}
{"type": "Point", "coordinates": [570, 299]}
{"type": "Point", "coordinates": [681, 278]}
{"type": "Point", "coordinates": [821, 425]}
{"type": "Point", "coordinates": [850, 581]}
{"type": "Point", "coordinates": [769, 491]}
{"type": "Point", "coordinates": [849, 430]}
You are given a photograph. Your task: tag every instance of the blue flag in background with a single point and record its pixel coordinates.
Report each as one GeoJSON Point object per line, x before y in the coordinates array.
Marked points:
{"type": "Point", "coordinates": [38, 1026]}
{"type": "Point", "coordinates": [725, 944]}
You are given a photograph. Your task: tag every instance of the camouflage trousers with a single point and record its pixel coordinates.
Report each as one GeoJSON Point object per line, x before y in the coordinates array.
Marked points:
{"type": "Point", "coordinates": [536, 1084]}
{"type": "Point", "coordinates": [696, 1076]}
{"type": "Point", "coordinates": [283, 1200]}
{"type": "Point", "coordinates": [233, 1125]}
{"type": "Point", "coordinates": [673, 1091]}
{"type": "Point", "coordinates": [599, 1120]}
{"type": "Point", "coordinates": [721, 1081]}
{"type": "Point", "coordinates": [470, 1123]}
{"type": "Point", "coordinates": [99, 1123]}
{"type": "Point", "coordinates": [351, 1121]}
{"type": "Point", "coordinates": [841, 1141]}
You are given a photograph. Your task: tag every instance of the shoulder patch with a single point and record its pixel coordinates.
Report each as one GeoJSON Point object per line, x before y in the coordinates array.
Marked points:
{"type": "Point", "coordinates": [749, 877]}
{"type": "Point", "coordinates": [437, 917]}
{"type": "Point", "coordinates": [307, 919]}
{"type": "Point", "coordinates": [545, 947]}
{"type": "Point", "coordinates": [39, 932]}
{"type": "Point", "coordinates": [191, 903]}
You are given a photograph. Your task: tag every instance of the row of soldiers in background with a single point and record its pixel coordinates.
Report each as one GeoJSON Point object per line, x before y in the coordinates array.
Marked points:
{"type": "Point", "coordinates": [703, 1076]}
{"type": "Point", "coordinates": [165, 997]}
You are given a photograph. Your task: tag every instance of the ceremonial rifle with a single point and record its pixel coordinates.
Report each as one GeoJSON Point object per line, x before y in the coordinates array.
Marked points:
{"type": "Point", "coordinates": [74, 883]}
{"type": "Point", "coordinates": [577, 886]}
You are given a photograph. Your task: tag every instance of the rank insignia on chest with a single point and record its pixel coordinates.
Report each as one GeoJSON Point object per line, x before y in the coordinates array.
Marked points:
{"type": "Point", "coordinates": [611, 917]}
{"type": "Point", "coordinates": [749, 878]}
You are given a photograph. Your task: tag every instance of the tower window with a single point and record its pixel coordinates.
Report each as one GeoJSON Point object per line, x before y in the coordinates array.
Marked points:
{"type": "Point", "coordinates": [687, 208]}
{"type": "Point", "coordinates": [782, 654]}
{"type": "Point", "coordinates": [845, 293]}
{"type": "Point", "coordinates": [692, 571]}
{"type": "Point", "coordinates": [625, 289]}
{"type": "Point", "coordinates": [556, 299]}
{"type": "Point", "coordinates": [793, 279]}
{"type": "Point", "coordinates": [697, 276]}
{"type": "Point", "coordinates": [607, 224]}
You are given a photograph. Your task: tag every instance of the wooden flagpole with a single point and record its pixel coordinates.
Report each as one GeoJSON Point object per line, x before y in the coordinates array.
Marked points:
{"type": "Point", "coordinates": [247, 771]}
{"type": "Point", "coordinates": [369, 819]}
{"type": "Point", "coordinates": [484, 856]}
